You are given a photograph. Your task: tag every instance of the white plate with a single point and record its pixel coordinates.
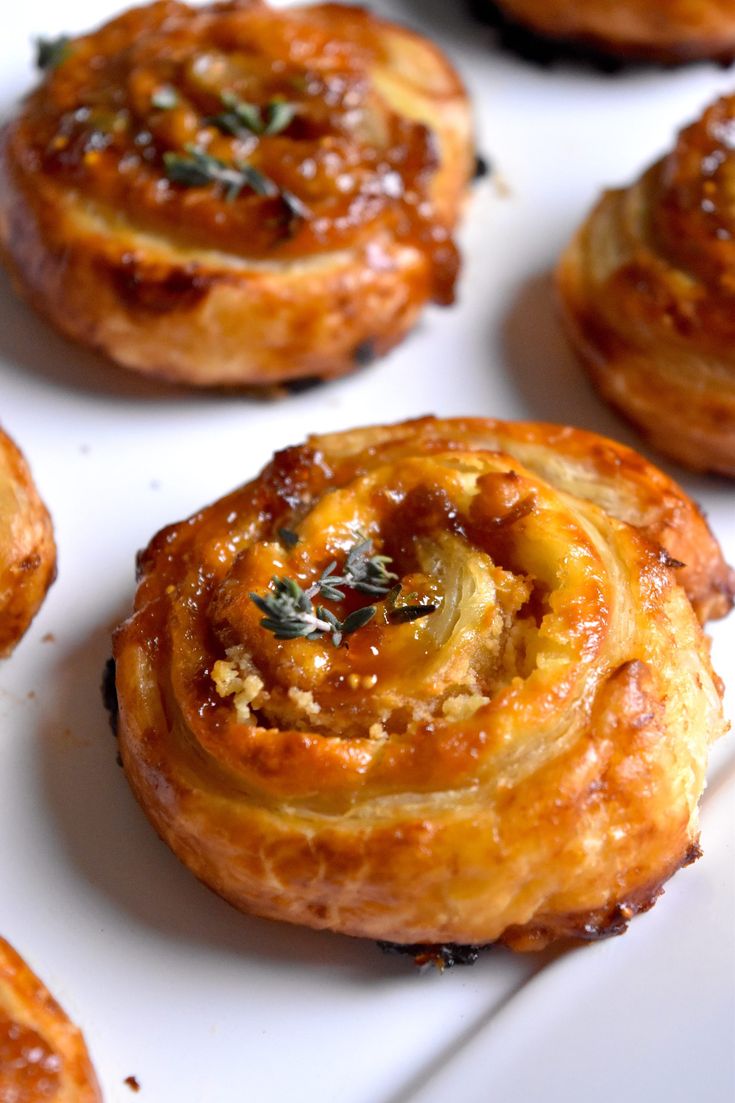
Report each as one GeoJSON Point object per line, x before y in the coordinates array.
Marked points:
{"type": "Point", "coordinates": [171, 985]}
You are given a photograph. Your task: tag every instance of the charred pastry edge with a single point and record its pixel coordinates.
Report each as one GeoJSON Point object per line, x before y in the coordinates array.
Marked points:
{"type": "Point", "coordinates": [442, 956]}
{"type": "Point", "coordinates": [108, 691]}
{"type": "Point", "coordinates": [571, 930]}
{"type": "Point", "coordinates": [483, 167]}
{"type": "Point", "coordinates": [547, 50]}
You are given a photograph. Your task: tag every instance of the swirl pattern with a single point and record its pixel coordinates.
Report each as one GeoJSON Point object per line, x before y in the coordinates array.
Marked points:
{"type": "Point", "coordinates": [647, 294]}
{"type": "Point", "coordinates": [237, 194]}
{"type": "Point", "coordinates": [524, 763]}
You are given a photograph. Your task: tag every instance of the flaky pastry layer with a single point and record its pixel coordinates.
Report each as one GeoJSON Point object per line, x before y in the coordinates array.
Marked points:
{"type": "Point", "coordinates": [656, 30]}
{"type": "Point", "coordinates": [43, 1058]}
{"type": "Point", "coordinates": [27, 550]}
{"type": "Point", "coordinates": [646, 289]}
{"type": "Point", "coordinates": [332, 227]}
{"type": "Point", "coordinates": [522, 764]}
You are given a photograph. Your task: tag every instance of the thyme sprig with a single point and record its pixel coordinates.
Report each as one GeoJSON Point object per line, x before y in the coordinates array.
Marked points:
{"type": "Point", "coordinates": [50, 52]}
{"type": "Point", "coordinates": [366, 573]}
{"type": "Point", "coordinates": [290, 613]}
{"type": "Point", "coordinates": [196, 168]}
{"type": "Point", "coordinates": [406, 614]}
{"type": "Point", "coordinates": [241, 119]}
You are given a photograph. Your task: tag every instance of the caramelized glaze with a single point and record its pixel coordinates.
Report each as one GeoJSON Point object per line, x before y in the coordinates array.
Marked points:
{"type": "Point", "coordinates": [648, 294]}
{"type": "Point", "coordinates": [359, 787]}
{"type": "Point", "coordinates": [43, 1058]}
{"type": "Point", "coordinates": [355, 164]}
{"type": "Point", "coordinates": [314, 234]}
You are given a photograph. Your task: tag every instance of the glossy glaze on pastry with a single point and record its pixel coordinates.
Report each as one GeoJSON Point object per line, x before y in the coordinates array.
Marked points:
{"type": "Point", "coordinates": [647, 288]}
{"type": "Point", "coordinates": [237, 194]}
{"type": "Point", "coordinates": [656, 30]}
{"type": "Point", "coordinates": [43, 1058]}
{"type": "Point", "coordinates": [524, 763]}
{"type": "Point", "coordinates": [27, 551]}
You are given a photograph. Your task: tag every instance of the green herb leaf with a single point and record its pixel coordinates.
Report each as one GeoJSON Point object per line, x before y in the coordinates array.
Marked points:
{"type": "Point", "coordinates": [358, 619]}
{"type": "Point", "coordinates": [278, 116]}
{"type": "Point", "coordinates": [242, 118]}
{"type": "Point", "coordinates": [51, 52]}
{"type": "Point", "coordinates": [406, 614]}
{"type": "Point", "coordinates": [289, 611]}
{"type": "Point", "coordinates": [164, 98]}
{"type": "Point", "coordinates": [294, 207]}
{"type": "Point", "coordinates": [196, 169]}
{"type": "Point", "coordinates": [368, 573]}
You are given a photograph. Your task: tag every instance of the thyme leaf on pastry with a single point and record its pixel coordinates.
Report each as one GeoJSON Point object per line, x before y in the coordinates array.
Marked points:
{"type": "Point", "coordinates": [289, 611]}
{"type": "Point", "coordinates": [242, 119]}
{"type": "Point", "coordinates": [290, 614]}
{"type": "Point", "coordinates": [196, 169]}
{"type": "Point", "coordinates": [406, 614]}
{"type": "Point", "coordinates": [50, 52]}
{"type": "Point", "coordinates": [368, 573]}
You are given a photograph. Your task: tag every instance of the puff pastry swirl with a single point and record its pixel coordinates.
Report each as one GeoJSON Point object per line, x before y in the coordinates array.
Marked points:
{"type": "Point", "coordinates": [656, 30]}
{"type": "Point", "coordinates": [523, 764]}
{"type": "Point", "coordinates": [43, 1058]}
{"type": "Point", "coordinates": [27, 551]}
{"type": "Point", "coordinates": [648, 296]}
{"type": "Point", "coordinates": [236, 194]}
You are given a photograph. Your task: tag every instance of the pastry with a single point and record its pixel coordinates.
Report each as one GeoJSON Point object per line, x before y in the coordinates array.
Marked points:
{"type": "Point", "coordinates": [429, 683]}
{"type": "Point", "coordinates": [655, 30]}
{"type": "Point", "coordinates": [27, 552]}
{"type": "Point", "coordinates": [237, 194]}
{"type": "Point", "coordinates": [647, 290]}
{"type": "Point", "coordinates": [43, 1058]}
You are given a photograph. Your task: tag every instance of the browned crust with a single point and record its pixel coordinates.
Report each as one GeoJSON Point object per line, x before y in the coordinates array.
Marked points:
{"type": "Point", "coordinates": [43, 1056]}
{"type": "Point", "coordinates": [654, 333]}
{"type": "Point", "coordinates": [466, 831]}
{"type": "Point", "coordinates": [204, 317]}
{"type": "Point", "coordinates": [27, 551]}
{"type": "Point", "coordinates": [673, 32]}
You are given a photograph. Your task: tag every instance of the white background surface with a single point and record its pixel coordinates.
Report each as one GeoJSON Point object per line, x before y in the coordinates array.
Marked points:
{"type": "Point", "coordinates": [204, 1005]}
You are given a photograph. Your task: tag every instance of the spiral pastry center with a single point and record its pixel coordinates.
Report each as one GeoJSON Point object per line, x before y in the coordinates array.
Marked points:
{"type": "Point", "coordinates": [473, 538]}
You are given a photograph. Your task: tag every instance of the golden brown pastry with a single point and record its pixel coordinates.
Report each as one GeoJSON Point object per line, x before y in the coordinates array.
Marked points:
{"type": "Point", "coordinates": [647, 289]}
{"type": "Point", "coordinates": [498, 725]}
{"type": "Point", "coordinates": [236, 194]}
{"type": "Point", "coordinates": [27, 551]}
{"type": "Point", "coordinates": [43, 1058]}
{"type": "Point", "coordinates": [656, 30]}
